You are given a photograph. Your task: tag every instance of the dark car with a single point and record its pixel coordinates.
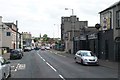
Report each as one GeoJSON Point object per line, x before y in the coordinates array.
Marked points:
{"type": "Point", "coordinates": [21, 51]}
{"type": "Point", "coordinates": [36, 48]}
{"type": "Point", "coordinates": [15, 54]}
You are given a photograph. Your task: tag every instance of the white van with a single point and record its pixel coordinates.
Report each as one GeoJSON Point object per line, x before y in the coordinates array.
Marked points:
{"type": "Point", "coordinates": [5, 69]}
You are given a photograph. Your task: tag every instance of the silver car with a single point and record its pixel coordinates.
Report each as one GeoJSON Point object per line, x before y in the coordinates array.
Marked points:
{"type": "Point", "coordinates": [5, 69]}
{"type": "Point", "coordinates": [86, 57]}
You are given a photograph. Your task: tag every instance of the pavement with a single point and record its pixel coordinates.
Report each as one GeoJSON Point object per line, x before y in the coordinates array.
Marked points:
{"type": "Point", "coordinates": [105, 63]}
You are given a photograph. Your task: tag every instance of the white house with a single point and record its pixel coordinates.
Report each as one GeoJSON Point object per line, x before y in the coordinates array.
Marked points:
{"type": "Point", "coordinates": [8, 35]}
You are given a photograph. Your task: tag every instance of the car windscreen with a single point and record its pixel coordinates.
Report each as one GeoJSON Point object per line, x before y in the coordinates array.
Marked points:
{"type": "Point", "coordinates": [87, 54]}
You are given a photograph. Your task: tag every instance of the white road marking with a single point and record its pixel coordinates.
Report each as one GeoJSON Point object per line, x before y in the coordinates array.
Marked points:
{"type": "Point", "coordinates": [21, 66]}
{"type": "Point", "coordinates": [47, 63]}
{"type": "Point", "coordinates": [15, 70]}
{"type": "Point", "coordinates": [51, 66]}
{"type": "Point", "coordinates": [17, 67]}
{"type": "Point", "coordinates": [44, 60]}
{"type": "Point", "coordinates": [61, 77]}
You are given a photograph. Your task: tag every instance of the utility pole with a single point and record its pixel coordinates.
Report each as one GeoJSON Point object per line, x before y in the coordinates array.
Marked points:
{"type": "Point", "coordinates": [73, 29]}
{"type": "Point", "coordinates": [73, 22]}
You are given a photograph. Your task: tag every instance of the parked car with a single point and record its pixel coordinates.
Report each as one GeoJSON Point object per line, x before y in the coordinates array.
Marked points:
{"type": "Point", "coordinates": [15, 54]}
{"type": "Point", "coordinates": [27, 49]}
{"type": "Point", "coordinates": [36, 48]}
{"type": "Point", "coordinates": [86, 57]}
{"type": "Point", "coordinates": [5, 69]}
{"type": "Point", "coordinates": [47, 48]}
{"type": "Point", "coordinates": [21, 51]}
{"type": "Point", "coordinates": [42, 47]}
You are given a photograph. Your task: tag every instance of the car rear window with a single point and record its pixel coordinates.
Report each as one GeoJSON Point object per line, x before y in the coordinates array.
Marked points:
{"type": "Point", "coordinates": [15, 52]}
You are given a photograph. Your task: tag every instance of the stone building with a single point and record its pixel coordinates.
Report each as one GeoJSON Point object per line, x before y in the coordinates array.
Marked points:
{"type": "Point", "coordinates": [70, 28]}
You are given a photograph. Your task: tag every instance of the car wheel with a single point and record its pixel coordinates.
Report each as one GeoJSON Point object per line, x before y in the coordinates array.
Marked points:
{"type": "Point", "coordinates": [81, 61]}
{"type": "Point", "coordinates": [75, 60]}
{"type": "Point", "coordinates": [20, 57]}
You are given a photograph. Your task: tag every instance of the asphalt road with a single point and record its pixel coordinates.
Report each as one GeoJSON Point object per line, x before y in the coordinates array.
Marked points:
{"type": "Point", "coordinates": [47, 64]}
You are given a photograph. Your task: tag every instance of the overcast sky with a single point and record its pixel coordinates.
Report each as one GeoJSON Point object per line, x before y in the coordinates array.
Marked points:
{"type": "Point", "coordinates": [39, 16]}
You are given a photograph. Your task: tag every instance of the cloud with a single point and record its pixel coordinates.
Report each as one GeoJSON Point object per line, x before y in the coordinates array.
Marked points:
{"type": "Point", "coordinates": [39, 16]}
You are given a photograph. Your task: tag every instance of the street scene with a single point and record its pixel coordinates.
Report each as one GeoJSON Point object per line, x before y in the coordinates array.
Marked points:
{"type": "Point", "coordinates": [52, 64]}
{"type": "Point", "coordinates": [44, 42]}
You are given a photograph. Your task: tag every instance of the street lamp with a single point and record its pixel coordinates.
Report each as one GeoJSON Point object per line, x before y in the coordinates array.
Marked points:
{"type": "Point", "coordinates": [73, 22]}
{"type": "Point", "coordinates": [70, 9]}
{"type": "Point", "coordinates": [73, 27]}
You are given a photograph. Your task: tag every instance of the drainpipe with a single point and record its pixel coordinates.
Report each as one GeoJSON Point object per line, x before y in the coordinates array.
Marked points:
{"type": "Point", "coordinates": [16, 34]}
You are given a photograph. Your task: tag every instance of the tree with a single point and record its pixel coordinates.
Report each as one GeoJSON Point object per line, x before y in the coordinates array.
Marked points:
{"type": "Point", "coordinates": [45, 38]}
{"type": "Point", "coordinates": [36, 40]}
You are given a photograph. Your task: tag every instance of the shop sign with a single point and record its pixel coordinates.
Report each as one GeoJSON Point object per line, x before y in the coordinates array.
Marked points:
{"type": "Point", "coordinates": [82, 37]}
{"type": "Point", "coordinates": [92, 36]}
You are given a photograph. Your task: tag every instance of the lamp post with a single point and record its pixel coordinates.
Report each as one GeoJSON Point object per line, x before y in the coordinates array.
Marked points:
{"type": "Point", "coordinates": [73, 22]}
{"type": "Point", "coordinates": [72, 27]}
{"type": "Point", "coordinates": [70, 9]}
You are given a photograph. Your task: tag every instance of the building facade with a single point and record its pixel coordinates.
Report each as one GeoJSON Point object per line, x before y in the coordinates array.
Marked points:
{"type": "Point", "coordinates": [8, 35]}
{"type": "Point", "coordinates": [117, 30]}
{"type": "Point", "coordinates": [88, 40]}
{"type": "Point", "coordinates": [109, 34]}
{"type": "Point", "coordinates": [27, 39]}
{"type": "Point", "coordinates": [12, 34]}
{"type": "Point", "coordinates": [103, 41]}
{"type": "Point", "coordinates": [70, 28]}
